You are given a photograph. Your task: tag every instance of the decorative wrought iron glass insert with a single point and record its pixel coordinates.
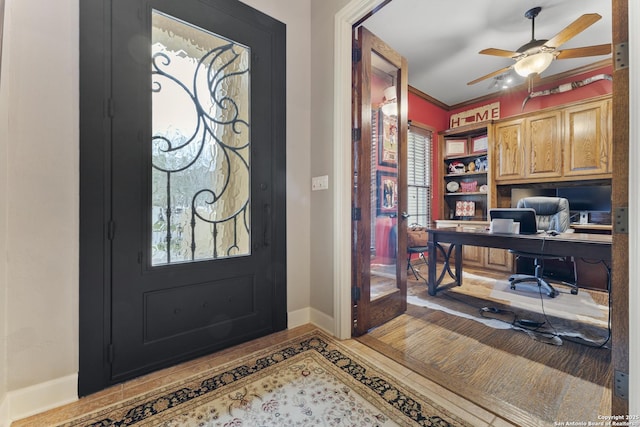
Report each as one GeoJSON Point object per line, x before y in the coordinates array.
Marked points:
{"type": "Point", "coordinates": [200, 147]}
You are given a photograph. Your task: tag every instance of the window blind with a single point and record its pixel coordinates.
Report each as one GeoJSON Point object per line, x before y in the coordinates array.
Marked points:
{"type": "Point", "coordinates": [419, 145]}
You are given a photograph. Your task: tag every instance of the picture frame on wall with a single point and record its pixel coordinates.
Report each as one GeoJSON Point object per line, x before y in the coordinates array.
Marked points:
{"type": "Point", "coordinates": [455, 147]}
{"type": "Point", "coordinates": [387, 193]}
{"type": "Point", "coordinates": [479, 144]}
{"type": "Point", "coordinates": [388, 140]}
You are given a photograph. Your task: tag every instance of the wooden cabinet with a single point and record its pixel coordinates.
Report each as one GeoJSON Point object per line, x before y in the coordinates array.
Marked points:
{"type": "Point", "coordinates": [560, 145]}
{"type": "Point", "coordinates": [490, 258]}
{"type": "Point", "coordinates": [588, 139]}
{"type": "Point", "coordinates": [570, 143]}
{"type": "Point", "coordinates": [508, 150]}
{"type": "Point", "coordinates": [543, 145]}
{"type": "Point", "coordinates": [528, 148]}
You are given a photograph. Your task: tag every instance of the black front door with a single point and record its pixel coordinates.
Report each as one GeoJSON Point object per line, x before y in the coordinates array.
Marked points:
{"type": "Point", "coordinates": [193, 203]}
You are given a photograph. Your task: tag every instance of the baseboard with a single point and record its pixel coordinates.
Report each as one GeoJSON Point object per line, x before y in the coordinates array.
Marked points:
{"type": "Point", "coordinates": [298, 317]}
{"type": "Point", "coordinates": [313, 316]}
{"type": "Point", "coordinates": [4, 413]}
{"type": "Point", "coordinates": [28, 401]}
{"type": "Point", "coordinates": [323, 321]}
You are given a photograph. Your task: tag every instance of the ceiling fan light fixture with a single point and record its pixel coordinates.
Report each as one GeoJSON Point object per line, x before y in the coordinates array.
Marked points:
{"type": "Point", "coordinates": [533, 64]}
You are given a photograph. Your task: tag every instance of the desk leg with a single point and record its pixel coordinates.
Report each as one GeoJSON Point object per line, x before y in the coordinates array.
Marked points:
{"type": "Point", "coordinates": [458, 263]}
{"type": "Point", "coordinates": [432, 282]}
{"type": "Point", "coordinates": [446, 255]}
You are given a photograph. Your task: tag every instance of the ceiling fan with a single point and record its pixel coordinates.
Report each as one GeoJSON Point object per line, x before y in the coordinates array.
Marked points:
{"type": "Point", "coordinates": [534, 57]}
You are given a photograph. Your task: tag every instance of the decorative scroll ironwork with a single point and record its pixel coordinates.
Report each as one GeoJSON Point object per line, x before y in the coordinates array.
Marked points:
{"type": "Point", "coordinates": [200, 144]}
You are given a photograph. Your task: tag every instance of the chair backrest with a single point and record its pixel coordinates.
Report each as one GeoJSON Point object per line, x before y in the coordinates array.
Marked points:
{"type": "Point", "coordinates": [552, 213]}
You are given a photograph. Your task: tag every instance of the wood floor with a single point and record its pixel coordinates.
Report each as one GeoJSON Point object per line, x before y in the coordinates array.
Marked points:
{"type": "Point", "coordinates": [486, 376]}
{"type": "Point", "coordinates": [528, 382]}
{"type": "Point", "coordinates": [473, 414]}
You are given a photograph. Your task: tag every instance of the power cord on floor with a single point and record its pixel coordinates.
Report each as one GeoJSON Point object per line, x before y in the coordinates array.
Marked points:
{"type": "Point", "coordinates": [528, 325]}
{"type": "Point", "coordinates": [487, 311]}
{"type": "Point", "coordinates": [572, 339]}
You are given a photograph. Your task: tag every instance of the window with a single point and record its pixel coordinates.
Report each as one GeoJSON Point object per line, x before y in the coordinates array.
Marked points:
{"type": "Point", "coordinates": [419, 143]}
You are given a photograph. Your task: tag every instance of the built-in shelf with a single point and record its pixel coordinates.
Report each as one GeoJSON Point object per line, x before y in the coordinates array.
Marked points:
{"type": "Point", "coordinates": [466, 193]}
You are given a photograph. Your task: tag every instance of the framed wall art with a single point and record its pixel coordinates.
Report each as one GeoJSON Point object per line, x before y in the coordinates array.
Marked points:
{"type": "Point", "coordinates": [387, 193]}
{"type": "Point", "coordinates": [388, 140]}
{"type": "Point", "coordinates": [455, 147]}
{"type": "Point", "coordinates": [479, 144]}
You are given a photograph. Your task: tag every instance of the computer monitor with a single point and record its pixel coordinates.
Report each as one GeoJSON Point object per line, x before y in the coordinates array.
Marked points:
{"type": "Point", "coordinates": [592, 198]}
{"type": "Point", "coordinates": [525, 216]}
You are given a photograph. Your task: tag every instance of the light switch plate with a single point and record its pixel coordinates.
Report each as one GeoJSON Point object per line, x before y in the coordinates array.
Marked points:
{"type": "Point", "coordinates": [320, 183]}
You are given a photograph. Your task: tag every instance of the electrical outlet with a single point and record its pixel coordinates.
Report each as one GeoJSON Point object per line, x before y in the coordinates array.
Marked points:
{"type": "Point", "coordinates": [320, 183]}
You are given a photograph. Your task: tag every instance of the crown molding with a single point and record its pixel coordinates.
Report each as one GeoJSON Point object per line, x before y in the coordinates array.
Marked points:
{"type": "Point", "coordinates": [494, 95]}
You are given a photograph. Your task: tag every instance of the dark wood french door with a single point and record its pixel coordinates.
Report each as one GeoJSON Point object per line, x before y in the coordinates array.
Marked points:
{"type": "Point", "coordinates": [186, 167]}
{"type": "Point", "coordinates": [379, 253]}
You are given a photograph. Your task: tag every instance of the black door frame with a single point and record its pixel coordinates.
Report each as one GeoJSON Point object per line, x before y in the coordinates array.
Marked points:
{"type": "Point", "coordinates": [95, 164]}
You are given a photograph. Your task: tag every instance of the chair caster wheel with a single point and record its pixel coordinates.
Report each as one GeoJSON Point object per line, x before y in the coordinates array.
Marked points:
{"type": "Point", "coordinates": [574, 292]}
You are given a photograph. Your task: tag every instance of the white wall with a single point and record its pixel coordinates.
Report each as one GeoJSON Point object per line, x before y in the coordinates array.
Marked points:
{"type": "Point", "coordinates": [39, 100]}
{"type": "Point", "coordinates": [40, 200]}
{"type": "Point", "coordinates": [41, 193]}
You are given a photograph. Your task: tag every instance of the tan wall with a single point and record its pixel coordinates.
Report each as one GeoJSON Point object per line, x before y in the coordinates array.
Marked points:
{"type": "Point", "coordinates": [296, 15]}
{"type": "Point", "coordinates": [4, 113]}
{"type": "Point", "coordinates": [322, 202]}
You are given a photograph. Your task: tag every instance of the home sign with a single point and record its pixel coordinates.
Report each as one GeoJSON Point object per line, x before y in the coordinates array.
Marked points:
{"type": "Point", "coordinates": [476, 115]}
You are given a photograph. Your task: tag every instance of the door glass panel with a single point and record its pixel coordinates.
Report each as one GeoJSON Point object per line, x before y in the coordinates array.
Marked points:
{"type": "Point", "coordinates": [384, 177]}
{"type": "Point", "coordinates": [200, 165]}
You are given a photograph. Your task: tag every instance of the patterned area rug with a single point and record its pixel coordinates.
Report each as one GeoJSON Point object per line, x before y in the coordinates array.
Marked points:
{"type": "Point", "coordinates": [312, 380]}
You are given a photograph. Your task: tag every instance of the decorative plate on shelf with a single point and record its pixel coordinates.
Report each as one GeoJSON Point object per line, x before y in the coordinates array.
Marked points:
{"type": "Point", "coordinates": [453, 186]}
{"type": "Point", "coordinates": [483, 188]}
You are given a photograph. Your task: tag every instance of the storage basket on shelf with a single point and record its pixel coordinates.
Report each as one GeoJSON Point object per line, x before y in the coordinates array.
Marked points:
{"type": "Point", "coordinates": [469, 187]}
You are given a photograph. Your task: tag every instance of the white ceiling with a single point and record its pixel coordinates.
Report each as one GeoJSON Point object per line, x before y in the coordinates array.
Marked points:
{"type": "Point", "coordinates": [441, 39]}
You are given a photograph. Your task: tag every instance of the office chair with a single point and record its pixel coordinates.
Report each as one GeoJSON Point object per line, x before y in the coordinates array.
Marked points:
{"type": "Point", "coordinates": [416, 244]}
{"type": "Point", "coordinates": [552, 215]}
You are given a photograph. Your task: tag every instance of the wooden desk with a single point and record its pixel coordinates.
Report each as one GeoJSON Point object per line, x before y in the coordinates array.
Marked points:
{"type": "Point", "coordinates": [596, 247]}
{"type": "Point", "coordinates": [592, 228]}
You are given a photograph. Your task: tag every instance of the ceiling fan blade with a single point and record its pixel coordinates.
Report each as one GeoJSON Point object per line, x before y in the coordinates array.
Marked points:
{"type": "Point", "coordinates": [579, 52]}
{"type": "Point", "coordinates": [488, 76]}
{"type": "Point", "coordinates": [499, 52]}
{"type": "Point", "coordinates": [573, 29]}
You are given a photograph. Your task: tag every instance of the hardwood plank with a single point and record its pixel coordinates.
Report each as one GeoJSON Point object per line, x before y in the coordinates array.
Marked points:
{"type": "Point", "coordinates": [504, 371]}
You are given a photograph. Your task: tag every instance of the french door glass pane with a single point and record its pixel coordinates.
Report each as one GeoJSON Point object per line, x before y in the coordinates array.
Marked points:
{"type": "Point", "coordinates": [200, 163]}
{"type": "Point", "coordinates": [384, 178]}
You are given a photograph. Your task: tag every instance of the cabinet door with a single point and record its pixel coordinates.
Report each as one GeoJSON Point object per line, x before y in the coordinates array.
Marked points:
{"type": "Point", "coordinates": [499, 259]}
{"type": "Point", "coordinates": [473, 255]}
{"type": "Point", "coordinates": [587, 139]}
{"type": "Point", "coordinates": [543, 146]}
{"type": "Point", "coordinates": [509, 150]}
{"type": "Point", "coordinates": [608, 123]}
